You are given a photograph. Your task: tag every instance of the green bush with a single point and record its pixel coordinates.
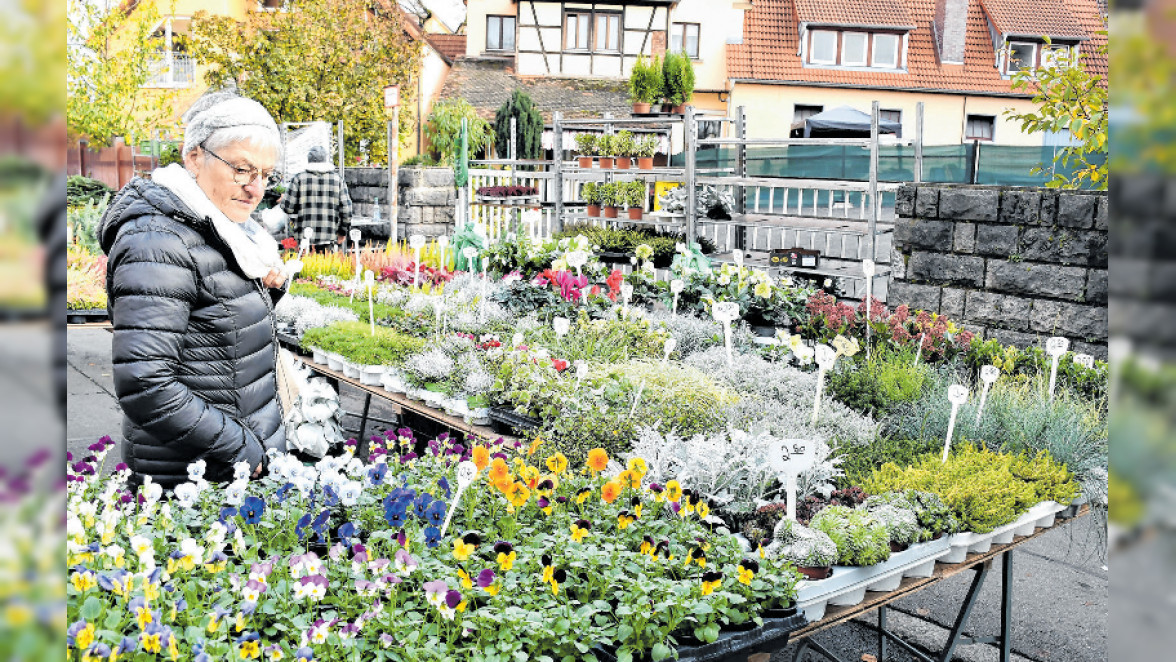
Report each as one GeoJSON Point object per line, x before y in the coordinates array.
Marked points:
{"type": "Point", "coordinates": [678, 78]}
{"type": "Point", "coordinates": [635, 194]}
{"type": "Point", "coordinates": [418, 160]}
{"type": "Point", "coordinates": [590, 193]}
{"type": "Point", "coordinates": [81, 190]}
{"type": "Point", "coordinates": [443, 130]}
{"type": "Point", "coordinates": [586, 144]}
{"type": "Point", "coordinates": [876, 385]}
{"type": "Point", "coordinates": [528, 127]}
{"type": "Point", "coordinates": [861, 540]}
{"type": "Point", "coordinates": [933, 516]}
{"type": "Point", "coordinates": [623, 143]}
{"type": "Point", "coordinates": [645, 82]}
{"type": "Point", "coordinates": [354, 341]}
{"type": "Point", "coordinates": [1026, 365]}
{"type": "Point", "coordinates": [859, 461]}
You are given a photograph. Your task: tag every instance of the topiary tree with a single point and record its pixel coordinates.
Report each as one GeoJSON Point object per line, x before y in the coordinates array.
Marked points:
{"type": "Point", "coordinates": [678, 78]}
{"type": "Point", "coordinates": [645, 83]}
{"type": "Point", "coordinates": [529, 127]}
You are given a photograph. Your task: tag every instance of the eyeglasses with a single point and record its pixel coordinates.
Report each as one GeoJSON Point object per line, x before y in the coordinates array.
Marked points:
{"type": "Point", "coordinates": [246, 175]}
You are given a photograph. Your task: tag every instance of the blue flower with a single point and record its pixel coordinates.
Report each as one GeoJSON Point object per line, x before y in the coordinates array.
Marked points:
{"type": "Point", "coordinates": [227, 512]}
{"type": "Point", "coordinates": [376, 474]}
{"type": "Point", "coordinates": [330, 496]}
{"type": "Point", "coordinates": [435, 513]}
{"type": "Point", "coordinates": [300, 527]}
{"type": "Point", "coordinates": [395, 513]}
{"type": "Point", "coordinates": [432, 536]}
{"type": "Point", "coordinates": [251, 509]}
{"type": "Point", "coordinates": [421, 505]}
{"type": "Point", "coordinates": [282, 491]}
{"type": "Point", "coordinates": [347, 532]}
{"type": "Point", "coordinates": [444, 485]}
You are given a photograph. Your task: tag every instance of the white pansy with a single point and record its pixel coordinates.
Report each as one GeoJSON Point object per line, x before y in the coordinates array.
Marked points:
{"type": "Point", "coordinates": [186, 494]}
{"type": "Point", "coordinates": [196, 470]}
{"type": "Point", "coordinates": [241, 470]}
{"type": "Point", "coordinates": [235, 492]}
{"type": "Point", "coordinates": [349, 493]}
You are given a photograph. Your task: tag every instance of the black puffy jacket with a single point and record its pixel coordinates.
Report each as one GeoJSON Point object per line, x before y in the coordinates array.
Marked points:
{"type": "Point", "coordinates": [193, 341]}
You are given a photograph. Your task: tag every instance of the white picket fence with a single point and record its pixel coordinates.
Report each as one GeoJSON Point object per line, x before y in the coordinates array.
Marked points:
{"type": "Point", "coordinates": [500, 220]}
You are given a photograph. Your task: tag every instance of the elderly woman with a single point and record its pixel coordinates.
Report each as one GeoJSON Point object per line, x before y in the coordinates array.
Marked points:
{"type": "Point", "coordinates": [192, 281]}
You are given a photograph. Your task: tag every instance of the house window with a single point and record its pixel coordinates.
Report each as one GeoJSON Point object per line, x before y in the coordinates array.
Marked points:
{"type": "Point", "coordinates": [885, 53]}
{"type": "Point", "coordinates": [824, 47]}
{"type": "Point", "coordinates": [979, 127]}
{"type": "Point", "coordinates": [576, 29]}
{"type": "Point", "coordinates": [890, 116]}
{"type": "Point", "coordinates": [500, 33]}
{"type": "Point", "coordinates": [608, 32]}
{"type": "Point", "coordinates": [853, 48]}
{"type": "Point", "coordinates": [1051, 54]}
{"type": "Point", "coordinates": [684, 39]}
{"type": "Point", "coordinates": [1020, 55]}
{"type": "Point", "coordinates": [801, 113]}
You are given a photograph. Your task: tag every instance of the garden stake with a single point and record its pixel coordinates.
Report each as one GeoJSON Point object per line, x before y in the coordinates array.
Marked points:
{"type": "Point", "coordinates": [726, 312]}
{"type": "Point", "coordinates": [1084, 360]}
{"type": "Point", "coordinates": [868, 270]}
{"type": "Point", "coordinates": [988, 375]}
{"type": "Point", "coordinates": [485, 280]}
{"type": "Point", "coordinates": [561, 325]}
{"type": "Point", "coordinates": [671, 343]}
{"type": "Point", "coordinates": [957, 395]}
{"type": "Point", "coordinates": [355, 235]}
{"type": "Point", "coordinates": [417, 242]}
{"type": "Point", "coordinates": [370, 279]}
{"type": "Point", "coordinates": [1055, 347]}
{"type": "Point", "coordinates": [626, 293]}
{"type": "Point", "coordinates": [581, 370]}
{"type": "Point", "coordinates": [790, 458]}
{"type": "Point", "coordinates": [576, 260]}
{"type": "Point", "coordinates": [826, 357]}
{"type": "Point", "coordinates": [919, 352]}
{"type": "Point", "coordinates": [676, 286]}
{"type": "Point", "coordinates": [465, 475]}
{"type": "Point", "coordinates": [637, 398]}
{"type": "Point", "coordinates": [442, 243]}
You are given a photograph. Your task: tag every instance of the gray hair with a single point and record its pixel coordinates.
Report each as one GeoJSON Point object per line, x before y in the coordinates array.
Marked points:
{"type": "Point", "coordinates": [316, 154]}
{"type": "Point", "coordinates": [224, 118]}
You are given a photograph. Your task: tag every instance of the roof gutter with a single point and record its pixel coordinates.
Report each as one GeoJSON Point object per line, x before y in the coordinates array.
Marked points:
{"type": "Point", "coordinates": [1036, 37]}
{"type": "Point", "coordinates": [867, 26]}
{"type": "Point", "coordinates": [913, 90]}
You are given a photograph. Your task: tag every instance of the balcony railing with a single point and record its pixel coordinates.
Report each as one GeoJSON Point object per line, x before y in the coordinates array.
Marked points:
{"type": "Point", "coordinates": [172, 70]}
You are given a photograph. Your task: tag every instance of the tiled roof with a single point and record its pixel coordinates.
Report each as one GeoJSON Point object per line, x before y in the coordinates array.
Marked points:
{"type": "Point", "coordinates": [769, 51]}
{"type": "Point", "coordinates": [487, 84]}
{"type": "Point", "coordinates": [1033, 18]}
{"type": "Point", "coordinates": [853, 12]}
{"type": "Point", "coordinates": [452, 46]}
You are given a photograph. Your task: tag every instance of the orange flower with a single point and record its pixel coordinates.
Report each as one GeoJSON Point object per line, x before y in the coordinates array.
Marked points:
{"type": "Point", "coordinates": [630, 479]}
{"type": "Point", "coordinates": [557, 463]}
{"type": "Point", "coordinates": [597, 460]}
{"type": "Point", "coordinates": [610, 491]}
{"type": "Point", "coordinates": [534, 446]}
{"type": "Point", "coordinates": [481, 457]}
{"type": "Point", "coordinates": [529, 475]}
{"type": "Point", "coordinates": [504, 483]}
{"type": "Point", "coordinates": [517, 494]}
{"type": "Point", "coordinates": [498, 470]}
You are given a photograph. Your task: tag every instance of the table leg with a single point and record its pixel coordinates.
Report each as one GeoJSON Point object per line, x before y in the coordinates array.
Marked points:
{"type": "Point", "coordinates": [1006, 607]}
{"type": "Point", "coordinates": [367, 403]}
{"type": "Point", "coordinates": [882, 633]}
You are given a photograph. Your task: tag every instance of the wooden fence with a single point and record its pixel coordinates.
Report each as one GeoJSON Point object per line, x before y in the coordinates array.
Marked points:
{"type": "Point", "coordinates": [114, 166]}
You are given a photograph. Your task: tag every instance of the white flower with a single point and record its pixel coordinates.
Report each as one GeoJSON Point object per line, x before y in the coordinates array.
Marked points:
{"type": "Point", "coordinates": [116, 554]}
{"type": "Point", "coordinates": [724, 279]}
{"type": "Point", "coordinates": [349, 493]}
{"type": "Point", "coordinates": [141, 546]}
{"type": "Point", "coordinates": [186, 494]}
{"type": "Point", "coordinates": [235, 492]}
{"type": "Point", "coordinates": [190, 548]}
{"type": "Point", "coordinates": [196, 470]}
{"type": "Point", "coordinates": [216, 533]}
{"type": "Point", "coordinates": [241, 470]}
{"type": "Point", "coordinates": [151, 490]}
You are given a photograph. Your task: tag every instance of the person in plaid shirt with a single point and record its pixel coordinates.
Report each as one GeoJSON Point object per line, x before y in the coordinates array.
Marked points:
{"type": "Point", "coordinates": [318, 199]}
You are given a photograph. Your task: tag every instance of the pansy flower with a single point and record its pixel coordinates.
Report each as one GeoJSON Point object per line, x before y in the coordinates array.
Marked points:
{"type": "Point", "coordinates": [252, 509]}
{"type": "Point", "coordinates": [624, 519]}
{"type": "Point", "coordinates": [348, 631]}
{"type": "Point", "coordinates": [249, 646]}
{"type": "Point", "coordinates": [396, 513]}
{"type": "Point", "coordinates": [638, 466]}
{"type": "Point", "coordinates": [703, 509]}
{"type": "Point", "coordinates": [318, 631]}
{"type": "Point", "coordinates": [377, 473]}
{"type": "Point", "coordinates": [663, 547]}
{"type": "Point", "coordinates": [597, 460]}
{"type": "Point", "coordinates": [696, 555]}
{"type": "Point", "coordinates": [499, 470]}
{"type": "Point", "coordinates": [464, 576]}
{"type": "Point", "coordinates": [435, 592]}
{"type": "Point", "coordinates": [404, 562]}
{"type": "Point", "coordinates": [711, 580]}
{"type": "Point", "coordinates": [432, 537]}
{"type": "Point", "coordinates": [544, 505]}
{"type": "Point", "coordinates": [301, 525]}
{"type": "Point", "coordinates": [421, 504]}
{"type": "Point", "coordinates": [451, 605]}
{"type": "Point", "coordinates": [580, 529]}
{"type": "Point", "coordinates": [636, 506]}
{"type": "Point", "coordinates": [274, 652]}
{"type": "Point", "coordinates": [465, 545]}
{"type": "Point", "coordinates": [630, 479]}
{"type": "Point", "coordinates": [252, 590]}
{"type": "Point", "coordinates": [117, 582]}
{"type": "Point", "coordinates": [435, 513]}
{"type": "Point", "coordinates": [534, 446]}
{"type": "Point", "coordinates": [583, 495]}
{"type": "Point", "coordinates": [557, 463]}
{"type": "Point", "coordinates": [506, 555]}
{"type": "Point", "coordinates": [214, 619]}
{"type": "Point", "coordinates": [80, 634]}
{"type": "Point", "coordinates": [647, 546]}
{"type": "Point", "coordinates": [611, 490]}
{"type": "Point", "coordinates": [673, 491]}
{"type": "Point", "coordinates": [481, 457]}
{"type": "Point", "coordinates": [518, 494]}
{"type": "Point", "coordinates": [124, 647]}
{"type": "Point", "coordinates": [304, 654]}
{"type": "Point", "coordinates": [486, 582]}
{"type": "Point", "coordinates": [747, 570]}
{"type": "Point", "coordinates": [83, 580]}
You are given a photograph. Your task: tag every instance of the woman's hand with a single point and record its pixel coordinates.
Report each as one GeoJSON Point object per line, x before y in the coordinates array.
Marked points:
{"type": "Point", "coordinates": [275, 278]}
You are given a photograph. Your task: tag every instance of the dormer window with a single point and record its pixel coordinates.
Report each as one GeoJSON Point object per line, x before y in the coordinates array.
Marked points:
{"type": "Point", "coordinates": [855, 49]}
{"type": "Point", "coordinates": [1021, 55]}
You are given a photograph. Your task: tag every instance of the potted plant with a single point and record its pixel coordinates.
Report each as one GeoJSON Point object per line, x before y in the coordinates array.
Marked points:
{"type": "Point", "coordinates": [591, 192]}
{"type": "Point", "coordinates": [644, 151]}
{"type": "Point", "coordinates": [611, 197]}
{"type": "Point", "coordinates": [645, 85]}
{"type": "Point", "coordinates": [812, 552]}
{"type": "Point", "coordinates": [635, 199]}
{"type": "Point", "coordinates": [624, 146]}
{"type": "Point", "coordinates": [678, 80]}
{"type": "Point", "coordinates": [605, 145]}
{"type": "Point", "coordinates": [586, 145]}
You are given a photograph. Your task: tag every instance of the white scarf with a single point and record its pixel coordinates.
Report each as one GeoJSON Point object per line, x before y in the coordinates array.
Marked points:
{"type": "Point", "coordinates": [256, 254]}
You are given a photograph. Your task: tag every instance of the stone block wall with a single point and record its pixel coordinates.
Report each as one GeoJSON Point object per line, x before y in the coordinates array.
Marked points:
{"type": "Point", "coordinates": [426, 199]}
{"type": "Point", "coordinates": [1014, 264]}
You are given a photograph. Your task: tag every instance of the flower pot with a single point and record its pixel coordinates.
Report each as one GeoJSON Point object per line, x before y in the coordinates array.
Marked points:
{"type": "Point", "coordinates": [667, 107]}
{"type": "Point", "coordinates": [815, 573]}
{"type": "Point", "coordinates": [350, 369]}
{"type": "Point", "coordinates": [640, 108]}
{"type": "Point", "coordinates": [636, 213]}
{"type": "Point", "coordinates": [393, 382]}
{"type": "Point", "coordinates": [592, 210]}
{"type": "Point", "coordinates": [624, 162]}
{"type": "Point", "coordinates": [606, 162]}
{"type": "Point", "coordinates": [584, 161]}
{"type": "Point", "coordinates": [777, 612]}
{"type": "Point", "coordinates": [371, 375]}
{"type": "Point", "coordinates": [611, 212]}
{"type": "Point", "coordinates": [645, 162]}
{"type": "Point", "coordinates": [745, 626]}
{"type": "Point", "coordinates": [334, 361]}
{"type": "Point", "coordinates": [680, 109]}
{"type": "Point", "coordinates": [480, 415]}
{"type": "Point", "coordinates": [896, 547]}
{"type": "Point", "coordinates": [318, 356]}
{"type": "Point", "coordinates": [764, 331]}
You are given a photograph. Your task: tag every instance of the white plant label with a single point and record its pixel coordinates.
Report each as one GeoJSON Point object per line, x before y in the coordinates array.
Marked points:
{"type": "Point", "coordinates": [790, 458]}
{"type": "Point", "coordinates": [738, 257]}
{"type": "Point", "coordinates": [726, 312]}
{"type": "Point", "coordinates": [1084, 360]}
{"type": "Point", "coordinates": [416, 242]}
{"type": "Point", "coordinates": [485, 279]}
{"type": "Point", "coordinates": [293, 268]}
{"type": "Point", "coordinates": [308, 233]}
{"type": "Point", "coordinates": [671, 343]}
{"type": "Point", "coordinates": [370, 279]}
{"type": "Point", "coordinates": [626, 294]}
{"type": "Point", "coordinates": [355, 235]}
{"type": "Point", "coordinates": [826, 356]}
{"type": "Point", "coordinates": [443, 243]}
{"type": "Point", "coordinates": [956, 395]}
{"type": "Point", "coordinates": [676, 287]}
{"type": "Point", "coordinates": [1055, 347]}
{"type": "Point", "coordinates": [465, 477]}
{"type": "Point", "coordinates": [868, 269]}
{"type": "Point", "coordinates": [581, 371]}
{"type": "Point", "coordinates": [919, 352]}
{"type": "Point", "coordinates": [576, 260]}
{"type": "Point", "coordinates": [637, 398]}
{"type": "Point", "coordinates": [988, 375]}
{"type": "Point", "coordinates": [304, 245]}
{"type": "Point", "coordinates": [561, 325]}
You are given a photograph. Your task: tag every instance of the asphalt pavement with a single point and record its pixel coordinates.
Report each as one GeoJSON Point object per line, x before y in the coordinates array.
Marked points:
{"type": "Point", "coordinates": [1060, 606]}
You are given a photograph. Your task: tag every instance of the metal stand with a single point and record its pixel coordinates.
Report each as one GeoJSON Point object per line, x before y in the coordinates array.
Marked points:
{"type": "Point", "coordinates": [955, 638]}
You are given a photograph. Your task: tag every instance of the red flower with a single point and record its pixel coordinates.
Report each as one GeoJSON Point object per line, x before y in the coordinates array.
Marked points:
{"type": "Point", "coordinates": [290, 243]}
{"type": "Point", "coordinates": [560, 364]}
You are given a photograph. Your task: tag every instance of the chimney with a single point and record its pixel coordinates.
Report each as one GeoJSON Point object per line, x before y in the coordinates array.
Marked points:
{"type": "Point", "coordinates": [951, 29]}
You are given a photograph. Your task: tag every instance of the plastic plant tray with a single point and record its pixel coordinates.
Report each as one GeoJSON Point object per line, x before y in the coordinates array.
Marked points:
{"type": "Point", "coordinates": [848, 585]}
{"type": "Point", "coordinates": [732, 645]}
{"type": "Point", "coordinates": [1042, 515]}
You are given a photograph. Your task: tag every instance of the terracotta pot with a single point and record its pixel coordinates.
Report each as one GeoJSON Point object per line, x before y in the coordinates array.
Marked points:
{"type": "Point", "coordinates": [592, 210]}
{"type": "Point", "coordinates": [816, 573]}
{"type": "Point", "coordinates": [635, 213]}
{"type": "Point", "coordinates": [611, 212]}
{"type": "Point", "coordinates": [640, 108]}
{"type": "Point", "coordinates": [606, 162]}
{"type": "Point", "coordinates": [667, 108]}
{"type": "Point", "coordinates": [584, 161]}
{"type": "Point", "coordinates": [624, 162]}
{"type": "Point", "coordinates": [645, 162]}
{"type": "Point", "coordinates": [679, 110]}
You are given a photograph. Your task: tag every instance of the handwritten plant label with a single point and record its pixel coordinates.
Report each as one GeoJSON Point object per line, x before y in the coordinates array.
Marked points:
{"type": "Point", "coordinates": [561, 325]}
{"type": "Point", "coordinates": [1084, 360]}
{"type": "Point", "coordinates": [304, 245]}
{"type": "Point", "coordinates": [956, 395]}
{"type": "Point", "coordinates": [738, 257]}
{"type": "Point", "coordinates": [466, 471]}
{"type": "Point", "coordinates": [676, 287]}
{"type": "Point", "coordinates": [826, 358]}
{"type": "Point", "coordinates": [671, 343]}
{"type": "Point", "coordinates": [868, 269]}
{"type": "Point", "coordinates": [581, 370]}
{"type": "Point", "coordinates": [308, 233]}
{"type": "Point", "coordinates": [1055, 347]}
{"type": "Point", "coordinates": [576, 260]}
{"type": "Point", "coordinates": [416, 242]}
{"type": "Point", "coordinates": [626, 294]}
{"type": "Point", "coordinates": [443, 243]}
{"type": "Point", "coordinates": [988, 375]}
{"type": "Point", "coordinates": [790, 458]}
{"type": "Point", "coordinates": [726, 312]}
